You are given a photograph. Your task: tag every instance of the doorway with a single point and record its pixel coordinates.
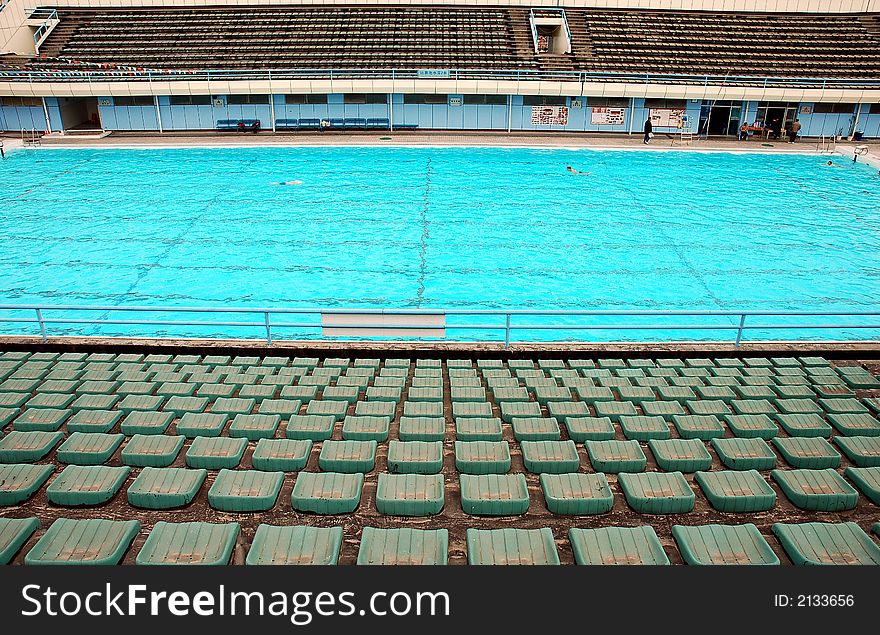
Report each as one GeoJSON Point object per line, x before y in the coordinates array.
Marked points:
{"type": "Point", "coordinates": [720, 118]}
{"type": "Point", "coordinates": [776, 113]}
{"type": "Point", "coordinates": [80, 113]}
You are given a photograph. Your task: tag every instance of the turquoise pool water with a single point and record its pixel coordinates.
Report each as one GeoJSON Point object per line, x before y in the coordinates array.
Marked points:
{"type": "Point", "coordinates": [438, 227]}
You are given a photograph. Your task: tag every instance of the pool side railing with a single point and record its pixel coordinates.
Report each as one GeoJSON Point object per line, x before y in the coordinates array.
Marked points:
{"type": "Point", "coordinates": [433, 324]}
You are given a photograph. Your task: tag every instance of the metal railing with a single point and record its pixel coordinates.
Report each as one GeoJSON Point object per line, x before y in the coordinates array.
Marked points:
{"type": "Point", "coordinates": [50, 19]}
{"type": "Point", "coordinates": [84, 72]}
{"type": "Point", "coordinates": [267, 319]}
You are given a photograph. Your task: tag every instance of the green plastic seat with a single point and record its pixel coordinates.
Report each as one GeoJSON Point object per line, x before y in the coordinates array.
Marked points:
{"type": "Point", "coordinates": [723, 545]}
{"type": "Point", "coordinates": [708, 407]}
{"type": "Point", "coordinates": [403, 546]}
{"type": "Point", "coordinates": [153, 450]}
{"type": "Point", "coordinates": [804, 425]}
{"type": "Point", "coordinates": [752, 426]}
{"type": "Point", "coordinates": [348, 456]}
{"type": "Point", "coordinates": [259, 393]}
{"type": "Point", "coordinates": [90, 541]}
{"type": "Point", "coordinates": [577, 494]}
{"type": "Point", "coordinates": [680, 455]}
{"type": "Point", "coordinates": [423, 408]}
{"type": "Point", "coordinates": [852, 425]}
{"type": "Point", "coordinates": [191, 543]}
{"type": "Point", "coordinates": [582, 429]}
{"type": "Point", "coordinates": [179, 406]}
{"type": "Point", "coordinates": [614, 457]}
{"type": "Point", "coordinates": [502, 392]}
{"type": "Point", "coordinates": [737, 491]}
{"type": "Point", "coordinates": [478, 429]}
{"type": "Point", "coordinates": [535, 429]}
{"type": "Point", "coordinates": [422, 429]}
{"type": "Point", "coordinates": [93, 421]}
{"type": "Point", "coordinates": [657, 492]}
{"type": "Point", "coordinates": [20, 481]}
{"type": "Point", "coordinates": [254, 427]}
{"type": "Point", "coordinates": [814, 453]}
{"type": "Point", "coordinates": [410, 494]}
{"type": "Point", "coordinates": [594, 394]}
{"type": "Point", "coordinates": [7, 415]}
{"type": "Point", "coordinates": [165, 487]}
{"type": "Point", "coordinates": [295, 545]}
{"type": "Point", "coordinates": [233, 406]}
{"type": "Point", "coordinates": [551, 457]}
{"type": "Point", "coordinates": [702, 427]}
{"type": "Point", "coordinates": [27, 447]}
{"type": "Point", "coordinates": [88, 448]}
{"type": "Point", "coordinates": [827, 543]}
{"type": "Point", "coordinates": [375, 409]}
{"type": "Point", "coordinates": [665, 409]}
{"type": "Point", "coordinates": [867, 479]}
{"type": "Point", "coordinates": [205, 424]}
{"type": "Point", "coordinates": [863, 451]}
{"type": "Point", "coordinates": [745, 454]}
{"type": "Point", "coordinates": [310, 427]}
{"type": "Point", "coordinates": [327, 492]}
{"type": "Point", "coordinates": [153, 422]}
{"type": "Point", "coordinates": [288, 407]}
{"type": "Point", "coordinates": [816, 490]}
{"type": "Point", "coordinates": [516, 409]}
{"type": "Point", "coordinates": [644, 428]}
{"type": "Point", "coordinates": [511, 547]}
{"type": "Point", "coordinates": [41, 420]}
{"type": "Point", "coordinates": [843, 406]}
{"type": "Point", "coordinates": [425, 394]}
{"type": "Point", "coordinates": [302, 394]}
{"type": "Point", "coordinates": [80, 485]}
{"type": "Point", "coordinates": [615, 410]}
{"type": "Point", "coordinates": [415, 457]}
{"type": "Point", "coordinates": [215, 453]}
{"type": "Point", "coordinates": [55, 401]}
{"type": "Point", "coordinates": [134, 403]}
{"type": "Point", "coordinates": [617, 546]}
{"type": "Point", "coordinates": [281, 455]}
{"type": "Point", "coordinates": [245, 490]}
{"type": "Point", "coordinates": [494, 494]}
{"type": "Point", "coordinates": [482, 457]}
{"type": "Point", "coordinates": [366, 427]}
{"type": "Point", "coordinates": [14, 533]}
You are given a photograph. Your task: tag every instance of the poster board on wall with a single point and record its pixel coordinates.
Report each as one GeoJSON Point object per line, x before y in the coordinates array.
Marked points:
{"type": "Point", "coordinates": [549, 115]}
{"type": "Point", "coordinates": [667, 117]}
{"type": "Point", "coordinates": [608, 116]}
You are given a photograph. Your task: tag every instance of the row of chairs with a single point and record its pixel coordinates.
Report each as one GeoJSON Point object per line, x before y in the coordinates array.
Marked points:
{"type": "Point", "coordinates": [356, 123]}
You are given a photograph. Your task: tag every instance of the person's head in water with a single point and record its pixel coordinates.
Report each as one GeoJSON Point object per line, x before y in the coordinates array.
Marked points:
{"type": "Point", "coordinates": [830, 163]}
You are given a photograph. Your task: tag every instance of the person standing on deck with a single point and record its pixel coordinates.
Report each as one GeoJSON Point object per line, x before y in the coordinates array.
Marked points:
{"type": "Point", "coordinates": [794, 130]}
{"type": "Point", "coordinates": [649, 130]}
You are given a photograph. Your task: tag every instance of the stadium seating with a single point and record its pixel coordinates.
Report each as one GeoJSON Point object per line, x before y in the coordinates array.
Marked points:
{"type": "Point", "coordinates": [545, 443]}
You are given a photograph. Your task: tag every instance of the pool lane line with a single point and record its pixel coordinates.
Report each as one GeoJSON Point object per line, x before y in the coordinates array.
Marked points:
{"type": "Point", "coordinates": [423, 238]}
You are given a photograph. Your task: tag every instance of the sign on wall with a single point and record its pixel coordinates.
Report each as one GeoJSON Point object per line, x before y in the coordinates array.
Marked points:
{"type": "Point", "coordinates": [455, 101]}
{"type": "Point", "coordinates": [549, 115]}
{"type": "Point", "coordinates": [608, 116]}
{"type": "Point", "coordinates": [105, 101]}
{"type": "Point", "coordinates": [667, 117]}
{"type": "Point", "coordinates": [806, 109]}
{"type": "Point", "coordinates": [432, 73]}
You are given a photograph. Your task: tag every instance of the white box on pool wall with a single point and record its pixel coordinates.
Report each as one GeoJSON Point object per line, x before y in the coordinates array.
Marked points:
{"type": "Point", "coordinates": [406, 325]}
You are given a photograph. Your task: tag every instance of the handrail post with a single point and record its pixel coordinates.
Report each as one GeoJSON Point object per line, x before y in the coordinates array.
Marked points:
{"type": "Point", "coordinates": [507, 331]}
{"type": "Point", "coordinates": [268, 329]}
{"type": "Point", "coordinates": [42, 324]}
{"type": "Point", "coordinates": [739, 331]}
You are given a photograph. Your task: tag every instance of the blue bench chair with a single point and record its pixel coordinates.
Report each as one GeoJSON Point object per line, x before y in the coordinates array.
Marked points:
{"type": "Point", "coordinates": [337, 123]}
{"type": "Point", "coordinates": [286, 124]}
{"type": "Point", "coordinates": [377, 124]}
{"type": "Point", "coordinates": [355, 123]}
{"type": "Point", "coordinates": [309, 124]}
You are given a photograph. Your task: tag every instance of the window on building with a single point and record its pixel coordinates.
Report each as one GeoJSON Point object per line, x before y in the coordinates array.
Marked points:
{"type": "Point", "coordinates": [140, 100]}
{"type": "Point", "coordinates": [485, 100]}
{"type": "Point", "coordinates": [244, 100]}
{"type": "Point", "coordinates": [544, 100]}
{"type": "Point", "coordinates": [606, 102]}
{"type": "Point", "coordinates": [825, 108]}
{"type": "Point", "coordinates": [365, 98]}
{"type": "Point", "coordinates": [875, 109]}
{"type": "Point", "coordinates": [190, 100]}
{"type": "Point", "coordinates": [418, 98]}
{"type": "Point", "coordinates": [666, 103]}
{"type": "Point", "coordinates": [299, 100]}
{"type": "Point", "coordinates": [27, 102]}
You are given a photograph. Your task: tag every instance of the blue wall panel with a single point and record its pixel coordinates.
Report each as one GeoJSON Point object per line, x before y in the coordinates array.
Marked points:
{"type": "Point", "coordinates": [17, 118]}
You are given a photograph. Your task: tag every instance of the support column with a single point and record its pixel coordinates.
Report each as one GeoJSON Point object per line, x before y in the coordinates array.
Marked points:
{"type": "Point", "coordinates": [272, 110]}
{"type": "Point", "coordinates": [158, 112]}
{"type": "Point", "coordinates": [46, 114]}
{"type": "Point", "coordinates": [856, 122]}
{"type": "Point", "coordinates": [632, 113]}
{"type": "Point", "coordinates": [390, 112]}
{"type": "Point", "coordinates": [509, 112]}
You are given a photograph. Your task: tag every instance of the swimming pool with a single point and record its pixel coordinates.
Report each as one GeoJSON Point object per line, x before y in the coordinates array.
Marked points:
{"type": "Point", "coordinates": [438, 227]}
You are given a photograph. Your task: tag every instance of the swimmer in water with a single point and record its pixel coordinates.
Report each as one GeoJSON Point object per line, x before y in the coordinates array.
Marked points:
{"type": "Point", "coordinates": [573, 171]}
{"type": "Point", "coordinates": [290, 183]}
